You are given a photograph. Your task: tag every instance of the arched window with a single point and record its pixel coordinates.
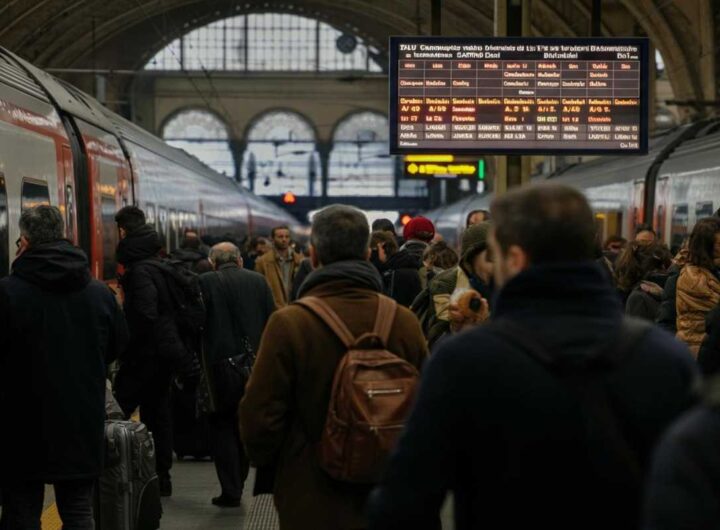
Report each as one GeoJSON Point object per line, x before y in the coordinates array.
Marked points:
{"type": "Point", "coordinates": [359, 162]}
{"type": "Point", "coordinates": [268, 42]}
{"type": "Point", "coordinates": [204, 136]}
{"type": "Point", "coordinates": [281, 155]}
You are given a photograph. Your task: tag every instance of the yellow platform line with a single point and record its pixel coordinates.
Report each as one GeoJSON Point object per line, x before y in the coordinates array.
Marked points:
{"type": "Point", "coordinates": [51, 518]}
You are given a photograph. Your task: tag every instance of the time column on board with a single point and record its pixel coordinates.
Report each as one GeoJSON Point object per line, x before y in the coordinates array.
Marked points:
{"type": "Point", "coordinates": [437, 102]}
{"type": "Point", "coordinates": [489, 100]}
{"type": "Point", "coordinates": [411, 94]}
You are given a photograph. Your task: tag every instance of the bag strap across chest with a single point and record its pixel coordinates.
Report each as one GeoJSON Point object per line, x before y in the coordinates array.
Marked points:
{"type": "Point", "coordinates": [383, 320]}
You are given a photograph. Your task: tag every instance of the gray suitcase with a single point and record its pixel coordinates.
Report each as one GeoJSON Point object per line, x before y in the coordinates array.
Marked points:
{"type": "Point", "coordinates": [128, 494]}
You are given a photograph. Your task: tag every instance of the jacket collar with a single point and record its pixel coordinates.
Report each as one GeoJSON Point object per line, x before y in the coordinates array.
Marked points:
{"type": "Point", "coordinates": [352, 273]}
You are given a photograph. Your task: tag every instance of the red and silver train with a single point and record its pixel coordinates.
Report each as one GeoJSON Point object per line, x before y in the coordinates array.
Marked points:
{"type": "Point", "coordinates": [60, 146]}
{"type": "Point", "coordinates": [670, 188]}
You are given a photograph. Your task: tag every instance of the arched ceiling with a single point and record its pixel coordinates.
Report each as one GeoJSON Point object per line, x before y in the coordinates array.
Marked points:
{"type": "Point", "coordinates": [123, 34]}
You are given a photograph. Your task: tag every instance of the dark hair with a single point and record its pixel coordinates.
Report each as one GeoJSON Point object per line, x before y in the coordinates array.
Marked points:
{"type": "Point", "coordinates": [255, 241]}
{"type": "Point", "coordinates": [191, 240]}
{"type": "Point", "coordinates": [42, 224]}
{"type": "Point", "coordinates": [441, 255]}
{"type": "Point", "coordinates": [473, 212]}
{"type": "Point", "coordinates": [386, 225]}
{"type": "Point", "coordinates": [644, 228]}
{"type": "Point", "coordinates": [276, 228]}
{"type": "Point", "coordinates": [550, 222]}
{"type": "Point", "coordinates": [638, 260]}
{"type": "Point", "coordinates": [701, 247]}
{"type": "Point", "coordinates": [339, 232]}
{"type": "Point", "coordinates": [614, 239]}
{"type": "Point", "coordinates": [130, 218]}
{"type": "Point", "coordinates": [384, 238]}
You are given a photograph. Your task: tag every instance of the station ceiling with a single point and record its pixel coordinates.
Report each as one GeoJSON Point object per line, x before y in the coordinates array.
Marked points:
{"type": "Point", "coordinates": [123, 34]}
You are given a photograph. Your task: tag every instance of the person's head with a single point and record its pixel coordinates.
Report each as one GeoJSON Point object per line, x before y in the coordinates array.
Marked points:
{"type": "Point", "coordinates": [386, 225]}
{"type": "Point", "coordinates": [384, 244]}
{"type": "Point", "coordinates": [280, 236]}
{"type": "Point", "coordinates": [474, 251]}
{"type": "Point", "coordinates": [339, 233]}
{"type": "Point", "coordinates": [704, 245]}
{"type": "Point", "coordinates": [439, 255]}
{"type": "Point", "coordinates": [129, 219]}
{"type": "Point", "coordinates": [614, 244]}
{"type": "Point", "coordinates": [539, 225]}
{"type": "Point", "coordinates": [191, 240]}
{"type": "Point", "coordinates": [38, 225]}
{"type": "Point", "coordinates": [476, 216]}
{"type": "Point", "coordinates": [259, 245]}
{"type": "Point", "coordinates": [420, 228]}
{"type": "Point", "coordinates": [640, 259]}
{"type": "Point", "coordinates": [224, 253]}
{"type": "Point", "coordinates": [644, 234]}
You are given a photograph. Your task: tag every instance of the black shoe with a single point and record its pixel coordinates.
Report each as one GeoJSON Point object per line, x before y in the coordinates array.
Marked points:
{"type": "Point", "coordinates": [165, 486]}
{"type": "Point", "coordinates": [226, 502]}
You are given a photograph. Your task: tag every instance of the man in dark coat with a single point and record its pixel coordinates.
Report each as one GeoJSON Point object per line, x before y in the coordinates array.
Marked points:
{"type": "Point", "coordinates": [151, 358]}
{"type": "Point", "coordinates": [58, 329]}
{"type": "Point", "coordinates": [193, 253]}
{"type": "Point", "coordinates": [286, 402]}
{"type": "Point", "coordinates": [401, 277]}
{"type": "Point", "coordinates": [509, 435]}
{"type": "Point", "coordinates": [238, 303]}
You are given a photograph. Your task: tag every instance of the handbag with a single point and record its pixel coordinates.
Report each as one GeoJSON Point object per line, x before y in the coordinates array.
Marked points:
{"type": "Point", "coordinates": [222, 384]}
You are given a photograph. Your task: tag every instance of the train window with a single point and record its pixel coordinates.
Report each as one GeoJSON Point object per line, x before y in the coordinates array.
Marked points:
{"type": "Point", "coordinates": [4, 230]}
{"type": "Point", "coordinates": [34, 193]}
{"type": "Point", "coordinates": [70, 213]}
{"type": "Point", "coordinates": [703, 209]}
{"type": "Point", "coordinates": [110, 236]}
{"type": "Point", "coordinates": [679, 226]}
{"type": "Point", "coordinates": [150, 216]}
{"type": "Point", "coordinates": [173, 231]}
{"type": "Point", "coordinates": [162, 222]}
{"type": "Point", "coordinates": [660, 222]}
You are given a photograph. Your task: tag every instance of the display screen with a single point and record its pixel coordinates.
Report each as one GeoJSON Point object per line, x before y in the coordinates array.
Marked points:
{"type": "Point", "coordinates": [518, 95]}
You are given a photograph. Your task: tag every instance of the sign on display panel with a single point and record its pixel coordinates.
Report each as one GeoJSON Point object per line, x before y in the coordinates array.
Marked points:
{"type": "Point", "coordinates": [516, 95]}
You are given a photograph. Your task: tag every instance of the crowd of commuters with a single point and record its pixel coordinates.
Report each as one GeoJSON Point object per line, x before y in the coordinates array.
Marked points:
{"type": "Point", "coordinates": [532, 346]}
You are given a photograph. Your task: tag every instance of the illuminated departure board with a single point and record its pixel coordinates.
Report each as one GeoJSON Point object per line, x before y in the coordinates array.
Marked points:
{"type": "Point", "coordinates": [518, 95]}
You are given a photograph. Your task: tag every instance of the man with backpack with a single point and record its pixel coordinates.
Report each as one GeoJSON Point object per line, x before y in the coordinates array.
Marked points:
{"type": "Point", "coordinates": [295, 416]}
{"type": "Point", "coordinates": [545, 416]}
{"type": "Point", "coordinates": [160, 334]}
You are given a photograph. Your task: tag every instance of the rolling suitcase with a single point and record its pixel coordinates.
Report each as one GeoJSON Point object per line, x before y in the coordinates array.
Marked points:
{"type": "Point", "coordinates": [128, 493]}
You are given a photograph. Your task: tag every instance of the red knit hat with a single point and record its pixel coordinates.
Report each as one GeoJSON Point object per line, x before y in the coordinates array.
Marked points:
{"type": "Point", "coordinates": [419, 228]}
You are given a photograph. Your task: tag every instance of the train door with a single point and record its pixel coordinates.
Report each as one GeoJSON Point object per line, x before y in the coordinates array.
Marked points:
{"type": "Point", "coordinates": [662, 188]}
{"type": "Point", "coordinates": [4, 230]}
{"type": "Point", "coordinates": [638, 207]}
{"type": "Point", "coordinates": [66, 184]}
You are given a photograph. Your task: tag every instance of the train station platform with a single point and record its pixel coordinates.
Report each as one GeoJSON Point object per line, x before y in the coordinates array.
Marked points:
{"type": "Point", "coordinates": [189, 508]}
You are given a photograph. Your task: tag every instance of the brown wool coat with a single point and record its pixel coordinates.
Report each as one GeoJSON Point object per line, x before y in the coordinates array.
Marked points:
{"type": "Point", "coordinates": [283, 412]}
{"type": "Point", "coordinates": [269, 266]}
{"type": "Point", "coordinates": [698, 292]}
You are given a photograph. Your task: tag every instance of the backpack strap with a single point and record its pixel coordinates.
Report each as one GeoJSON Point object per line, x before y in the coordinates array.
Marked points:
{"type": "Point", "coordinates": [330, 317]}
{"type": "Point", "coordinates": [387, 307]}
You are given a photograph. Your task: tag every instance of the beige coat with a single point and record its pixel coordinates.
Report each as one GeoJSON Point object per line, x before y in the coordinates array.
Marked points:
{"type": "Point", "coordinates": [698, 292]}
{"type": "Point", "coordinates": [269, 266]}
{"type": "Point", "coordinates": [283, 412]}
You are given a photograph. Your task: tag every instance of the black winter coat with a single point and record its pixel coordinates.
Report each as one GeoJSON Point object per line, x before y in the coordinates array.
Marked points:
{"type": "Point", "coordinates": [58, 328]}
{"type": "Point", "coordinates": [508, 438]}
{"type": "Point", "coordinates": [303, 272]}
{"type": "Point", "coordinates": [645, 303]}
{"type": "Point", "coordinates": [148, 303]}
{"type": "Point", "coordinates": [240, 307]}
{"type": "Point", "coordinates": [195, 259]}
{"type": "Point", "coordinates": [401, 279]}
{"type": "Point", "coordinates": [709, 354]}
{"type": "Point", "coordinates": [667, 314]}
{"type": "Point", "coordinates": [684, 485]}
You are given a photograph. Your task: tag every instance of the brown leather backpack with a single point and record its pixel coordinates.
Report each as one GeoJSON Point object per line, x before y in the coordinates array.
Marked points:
{"type": "Point", "coordinates": [372, 395]}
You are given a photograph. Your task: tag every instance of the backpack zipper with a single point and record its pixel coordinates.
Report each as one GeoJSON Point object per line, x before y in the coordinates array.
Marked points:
{"type": "Point", "coordinates": [372, 392]}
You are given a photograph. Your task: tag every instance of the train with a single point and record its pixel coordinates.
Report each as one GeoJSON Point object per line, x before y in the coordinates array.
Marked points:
{"type": "Point", "coordinates": [60, 146]}
{"type": "Point", "coordinates": [676, 183]}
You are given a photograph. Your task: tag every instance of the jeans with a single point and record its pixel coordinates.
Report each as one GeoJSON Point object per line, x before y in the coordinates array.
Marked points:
{"type": "Point", "coordinates": [23, 502]}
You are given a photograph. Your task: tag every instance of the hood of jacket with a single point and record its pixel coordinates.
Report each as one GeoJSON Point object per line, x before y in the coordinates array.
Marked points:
{"type": "Point", "coordinates": [189, 255]}
{"type": "Point", "coordinates": [57, 266]}
{"type": "Point", "coordinates": [356, 273]}
{"type": "Point", "coordinates": [405, 258]}
{"type": "Point", "coordinates": [141, 244]}
{"type": "Point", "coordinates": [567, 306]}
{"type": "Point", "coordinates": [415, 248]}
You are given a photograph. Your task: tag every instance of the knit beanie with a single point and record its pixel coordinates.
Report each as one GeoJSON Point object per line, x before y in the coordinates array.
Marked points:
{"type": "Point", "coordinates": [419, 228]}
{"type": "Point", "coordinates": [474, 240]}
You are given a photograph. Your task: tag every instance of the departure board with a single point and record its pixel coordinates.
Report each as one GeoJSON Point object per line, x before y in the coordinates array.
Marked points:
{"type": "Point", "coordinates": [518, 95]}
